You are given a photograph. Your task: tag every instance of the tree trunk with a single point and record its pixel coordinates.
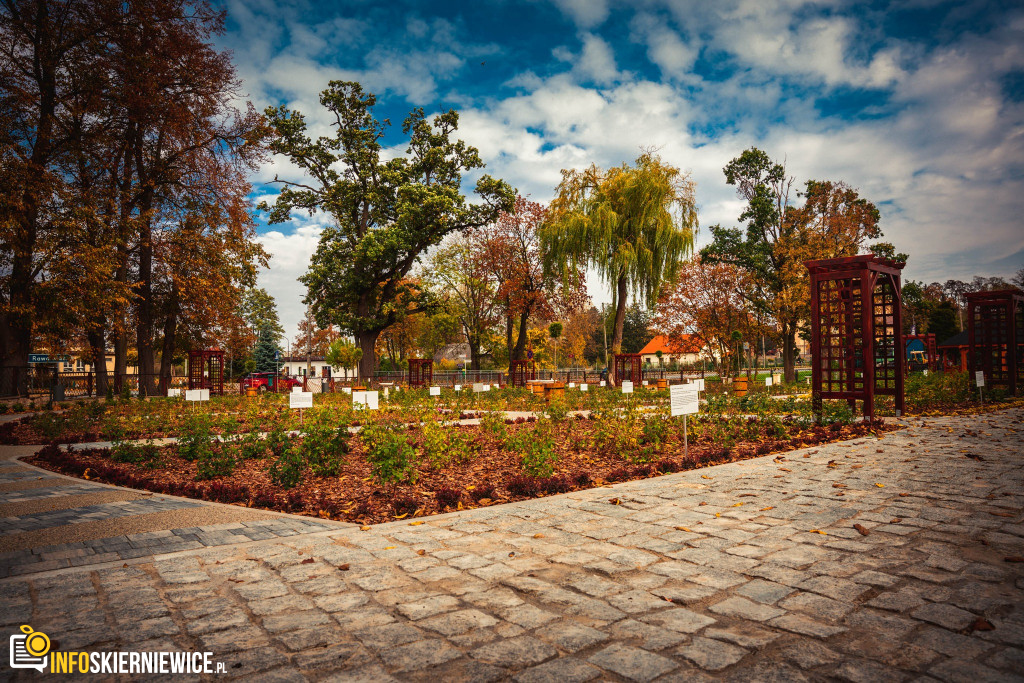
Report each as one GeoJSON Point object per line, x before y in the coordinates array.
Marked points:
{"type": "Point", "coordinates": [170, 338]}
{"type": "Point", "coordinates": [789, 351]}
{"type": "Point", "coordinates": [621, 293]}
{"type": "Point", "coordinates": [96, 340]}
{"type": "Point", "coordinates": [521, 339]}
{"type": "Point", "coordinates": [509, 324]}
{"type": "Point", "coordinates": [368, 343]}
{"type": "Point", "coordinates": [474, 352]}
{"type": "Point", "coordinates": [144, 307]}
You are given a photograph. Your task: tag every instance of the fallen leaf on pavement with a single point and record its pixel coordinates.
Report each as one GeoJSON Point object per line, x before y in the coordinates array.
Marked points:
{"type": "Point", "coordinates": [308, 560]}
{"type": "Point", "coordinates": [861, 529]}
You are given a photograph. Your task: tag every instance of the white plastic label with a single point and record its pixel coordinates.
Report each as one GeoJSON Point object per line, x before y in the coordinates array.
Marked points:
{"type": "Point", "coordinates": [627, 387]}
{"type": "Point", "coordinates": [767, 381]}
{"type": "Point", "coordinates": [979, 378]}
{"type": "Point", "coordinates": [458, 387]}
{"type": "Point", "coordinates": [683, 399]}
{"type": "Point", "coordinates": [173, 393]}
{"type": "Point", "coordinates": [435, 391]}
{"type": "Point", "coordinates": [584, 387]}
{"type": "Point", "coordinates": [347, 390]}
{"type": "Point", "coordinates": [372, 400]}
{"type": "Point", "coordinates": [477, 388]}
{"type": "Point", "coordinates": [296, 389]}
{"type": "Point", "coordinates": [197, 394]}
{"type": "Point", "coordinates": [602, 383]}
{"type": "Point", "coordinates": [300, 399]}
{"type": "Point", "coordinates": [358, 399]}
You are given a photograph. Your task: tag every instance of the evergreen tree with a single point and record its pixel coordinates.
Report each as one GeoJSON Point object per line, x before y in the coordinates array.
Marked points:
{"type": "Point", "coordinates": [265, 351]}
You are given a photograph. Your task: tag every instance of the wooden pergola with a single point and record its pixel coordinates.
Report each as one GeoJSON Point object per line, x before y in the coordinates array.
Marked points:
{"type": "Point", "coordinates": [520, 372]}
{"type": "Point", "coordinates": [856, 331]}
{"type": "Point", "coordinates": [628, 367]}
{"type": "Point", "coordinates": [995, 325]}
{"type": "Point", "coordinates": [421, 372]}
{"type": "Point", "coordinates": [206, 370]}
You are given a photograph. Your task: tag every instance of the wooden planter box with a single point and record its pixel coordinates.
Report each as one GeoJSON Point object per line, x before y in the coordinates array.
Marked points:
{"type": "Point", "coordinates": [663, 384]}
{"type": "Point", "coordinates": [555, 390]}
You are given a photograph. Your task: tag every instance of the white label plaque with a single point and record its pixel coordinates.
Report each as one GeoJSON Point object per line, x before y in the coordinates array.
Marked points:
{"type": "Point", "coordinates": [979, 378]}
{"type": "Point", "coordinates": [173, 393]}
{"type": "Point", "coordinates": [584, 387]}
{"type": "Point", "coordinates": [683, 399]}
{"type": "Point", "coordinates": [300, 399]}
{"type": "Point", "coordinates": [477, 388]}
{"type": "Point", "coordinates": [372, 400]}
{"type": "Point", "coordinates": [197, 394]}
{"type": "Point", "coordinates": [627, 387]}
{"type": "Point", "coordinates": [435, 391]}
{"type": "Point", "coordinates": [767, 381]}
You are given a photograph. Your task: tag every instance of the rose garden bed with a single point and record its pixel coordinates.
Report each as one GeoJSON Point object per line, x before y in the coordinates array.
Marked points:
{"type": "Point", "coordinates": [390, 471]}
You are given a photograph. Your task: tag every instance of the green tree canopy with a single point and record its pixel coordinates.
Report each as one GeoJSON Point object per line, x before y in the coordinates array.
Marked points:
{"type": "Point", "coordinates": [386, 211]}
{"type": "Point", "coordinates": [266, 349]}
{"type": "Point", "coordinates": [343, 354]}
{"type": "Point", "coordinates": [633, 224]}
{"type": "Point", "coordinates": [258, 309]}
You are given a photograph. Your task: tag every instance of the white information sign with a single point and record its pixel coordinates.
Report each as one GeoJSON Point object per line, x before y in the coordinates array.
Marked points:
{"type": "Point", "coordinates": [478, 387]}
{"type": "Point", "coordinates": [979, 378]}
{"type": "Point", "coordinates": [372, 400]}
{"type": "Point", "coordinates": [627, 387]}
{"type": "Point", "coordinates": [347, 390]}
{"type": "Point", "coordinates": [572, 385]}
{"type": "Point", "coordinates": [173, 393]}
{"type": "Point", "coordinates": [683, 399]}
{"type": "Point", "coordinates": [644, 383]}
{"type": "Point", "coordinates": [435, 391]}
{"type": "Point", "coordinates": [358, 399]}
{"type": "Point", "coordinates": [197, 394]}
{"type": "Point", "coordinates": [487, 387]}
{"type": "Point", "coordinates": [602, 383]}
{"type": "Point", "coordinates": [700, 384]}
{"type": "Point", "coordinates": [584, 387]}
{"type": "Point", "coordinates": [296, 389]}
{"type": "Point", "coordinates": [300, 399]}
{"type": "Point", "coordinates": [767, 381]}
{"type": "Point", "coordinates": [458, 387]}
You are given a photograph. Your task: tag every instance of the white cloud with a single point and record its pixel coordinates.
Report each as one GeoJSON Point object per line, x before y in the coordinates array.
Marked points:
{"type": "Point", "coordinates": [584, 13]}
{"type": "Point", "coordinates": [290, 253]}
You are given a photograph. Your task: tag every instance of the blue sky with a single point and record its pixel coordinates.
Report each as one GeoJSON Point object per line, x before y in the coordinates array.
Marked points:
{"type": "Point", "coordinates": [919, 104]}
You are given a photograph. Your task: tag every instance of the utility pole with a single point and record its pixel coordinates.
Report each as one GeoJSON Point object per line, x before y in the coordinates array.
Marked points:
{"type": "Point", "coordinates": [604, 327]}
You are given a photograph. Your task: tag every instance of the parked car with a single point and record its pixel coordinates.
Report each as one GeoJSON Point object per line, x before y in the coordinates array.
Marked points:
{"type": "Point", "coordinates": [267, 381]}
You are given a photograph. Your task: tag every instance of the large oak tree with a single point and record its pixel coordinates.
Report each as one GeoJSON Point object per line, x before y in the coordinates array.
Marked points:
{"type": "Point", "coordinates": [386, 211]}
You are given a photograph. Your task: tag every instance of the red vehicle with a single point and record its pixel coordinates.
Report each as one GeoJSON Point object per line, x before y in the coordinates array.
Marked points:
{"type": "Point", "coordinates": [268, 381]}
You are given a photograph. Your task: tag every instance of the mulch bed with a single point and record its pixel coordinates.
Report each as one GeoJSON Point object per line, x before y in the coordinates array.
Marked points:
{"type": "Point", "coordinates": [490, 476]}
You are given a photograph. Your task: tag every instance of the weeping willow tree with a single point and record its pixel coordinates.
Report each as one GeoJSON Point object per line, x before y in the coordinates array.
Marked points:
{"type": "Point", "coordinates": [632, 224]}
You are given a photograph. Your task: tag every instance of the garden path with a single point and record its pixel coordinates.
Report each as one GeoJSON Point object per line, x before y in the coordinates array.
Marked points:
{"type": "Point", "coordinates": [875, 559]}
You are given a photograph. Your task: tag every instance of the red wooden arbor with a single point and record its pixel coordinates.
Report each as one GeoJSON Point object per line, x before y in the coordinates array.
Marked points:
{"type": "Point", "coordinates": [933, 361]}
{"type": "Point", "coordinates": [520, 372]}
{"type": "Point", "coordinates": [206, 370]}
{"type": "Point", "coordinates": [421, 372]}
{"type": "Point", "coordinates": [627, 368]}
{"type": "Point", "coordinates": [995, 324]}
{"type": "Point", "coordinates": [855, 331]}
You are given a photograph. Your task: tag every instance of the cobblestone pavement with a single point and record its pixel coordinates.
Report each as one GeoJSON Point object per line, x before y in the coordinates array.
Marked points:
{"type": "Point", "coordinates": [872, 560]}
{"type": "Point", "coordinates": [49, 522]}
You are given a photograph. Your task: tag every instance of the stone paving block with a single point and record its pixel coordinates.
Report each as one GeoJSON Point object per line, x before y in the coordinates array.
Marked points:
{"type": "Point", "coordinates": [809, 655]}
{"type": "Point", "coordinates": [632, 663]}
{"type": "Point", "coordinates": [864, 671]}
{"type": "Point", "coordinates": [650, 637]}
{"type": "Point", "coordinates": [517, 652]}
{"type": "Point", "coordinates": [428, 607]}
{"type": "Point", "coordinates": [561, 670]}
{"type": "Point", "coordinates": [637, 602]}
{"type": "Point", "coordinates": [527, 616]}
{"type": "Point", "coordinates": [817, 606]}
{"type": "Point", "coordinates": [959, 671]}
{"type": "Point", "coordinates": [455, 623]}
{"type": "Point", "coordinates": [946, 616]}
{"type": "Point", "coordinates": [389, 635]}
{"type": "Point", "coordinates": [710, 654]}
{"type": "Point", "coordinates": [951, 644]}
{"type": "Point", "coordinates": [570, 636]}
{"type": "Point", "coordinates": [805, 626]}
{"type": "Point", "coordinates": [291, 621]}
{"type": "Point", "coordinates": [745, 636]}
{"type": "Point", "coordinates": [746, 609]}
{"type": "Point", "coordinates": [679, 619]}
{"type": "Point", "coordinates": [767, 592]}
{"type": "Point", "coordinates": [835, 588]}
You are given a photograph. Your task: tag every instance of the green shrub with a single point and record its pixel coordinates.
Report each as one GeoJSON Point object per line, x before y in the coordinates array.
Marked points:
{"type": "Point", "coordinates": [324, 445]}
{"type": "Point", "coordinates": [557, 411]}
{"type": "Point", "coordinates": [147, 454]}
{"type": "Point", "coordinates": [215, 462]}
{"type": "Point", "coordinates": [391, 458]}
{"type": "Point", "coordinates": [251, 446]}
{"type": "Point", "coordinates": [196, 438]}
{"type": "Point", "coordinates": [289, 467]}
{"type": "Point", "coordinates": [493, 423]}
{"type": "Point", "coordinates": [537, 451]}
